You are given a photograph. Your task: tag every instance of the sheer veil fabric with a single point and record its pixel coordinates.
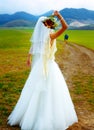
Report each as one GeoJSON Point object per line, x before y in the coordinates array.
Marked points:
{"type": "Point", "coordinates": [45, 102]}
{"type": "Point", "coordinates": [40, 37]}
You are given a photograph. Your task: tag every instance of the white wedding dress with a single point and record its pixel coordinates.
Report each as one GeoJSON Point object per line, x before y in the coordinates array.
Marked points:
{"type": "Point", "coordinates": [45, 102]}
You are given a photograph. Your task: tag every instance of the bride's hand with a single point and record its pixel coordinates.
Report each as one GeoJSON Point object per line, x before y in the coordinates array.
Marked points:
{"type": "Point", "coordinates": [28, 62]}
{"type": "Point", "coordinates": [56, 13]}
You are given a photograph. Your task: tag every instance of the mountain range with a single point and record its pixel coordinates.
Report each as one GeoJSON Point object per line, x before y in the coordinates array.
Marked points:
{"type": "Point", "coordinates": [76, 18]}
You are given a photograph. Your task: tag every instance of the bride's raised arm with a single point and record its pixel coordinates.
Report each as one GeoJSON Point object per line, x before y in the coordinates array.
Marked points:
{"type": "Point", "coordinates": [62, 29]}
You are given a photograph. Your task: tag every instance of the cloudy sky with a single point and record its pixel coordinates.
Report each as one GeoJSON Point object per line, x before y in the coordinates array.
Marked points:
{"type": "Point", "coordinates": [37, 7]}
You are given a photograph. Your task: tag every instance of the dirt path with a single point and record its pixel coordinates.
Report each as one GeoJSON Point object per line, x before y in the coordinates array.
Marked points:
{"type": "Point", "coordinates": [75, 59]}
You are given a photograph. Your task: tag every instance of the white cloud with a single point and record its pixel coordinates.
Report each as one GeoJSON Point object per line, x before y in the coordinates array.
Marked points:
{"type": "Point", "coordinates": [41, 6]}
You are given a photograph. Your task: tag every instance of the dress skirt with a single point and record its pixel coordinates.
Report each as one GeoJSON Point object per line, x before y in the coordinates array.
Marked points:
{"type": "Point", "coordinates": [45, 102]}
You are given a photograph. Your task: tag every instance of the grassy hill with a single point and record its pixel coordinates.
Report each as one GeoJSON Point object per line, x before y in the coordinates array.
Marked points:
{"type": "Point", "coordinates": [4, 18]}
{"type": "Point", "coordinates": [19, 23]}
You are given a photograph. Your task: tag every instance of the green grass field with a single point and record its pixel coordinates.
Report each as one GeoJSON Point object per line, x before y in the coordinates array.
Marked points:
{"type": "Point", "coordinates": [81, 37]}
{"type": "Point", "coordinates": [14, 47]}
{"type": "Point", "coordinates": [20, 37]}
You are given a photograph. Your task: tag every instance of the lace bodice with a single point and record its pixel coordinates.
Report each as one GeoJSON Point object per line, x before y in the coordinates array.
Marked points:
{"type": "Point", "coordinates": [50, 49]}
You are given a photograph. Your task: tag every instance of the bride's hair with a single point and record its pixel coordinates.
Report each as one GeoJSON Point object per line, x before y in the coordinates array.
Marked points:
{"type": "Point", "coordinates": [50, 21]}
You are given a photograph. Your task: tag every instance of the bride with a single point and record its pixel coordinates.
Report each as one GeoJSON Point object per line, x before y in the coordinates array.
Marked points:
{"type": "Point", "coordinates": [45, 102]}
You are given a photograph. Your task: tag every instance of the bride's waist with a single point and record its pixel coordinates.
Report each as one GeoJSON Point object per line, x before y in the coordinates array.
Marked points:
{"type": "Point", "coordinates": [38, 56]}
